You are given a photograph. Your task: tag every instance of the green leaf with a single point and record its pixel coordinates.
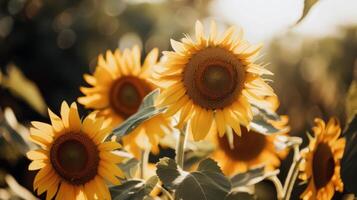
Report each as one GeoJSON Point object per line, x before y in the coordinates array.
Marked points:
{"type": "Point", "coordinates": [261, 125]}
{"type": "Point", "coordinates": [266, 114]}
{"type": "Point", "coordinates": [149, 100]}
{"type": "Point", "coordinates": [168, 171]}
{"type": "Point", "coordinates": [129, 167]}
{"type": "Point", "coordinates": [251, 177]}
{"type": "Point", "coordinates": [146, 111]}
{"type": "Point", "coordinates": [207, 183]}
{"type": "Point", "coordinates": [133, 189]}
{"type": "Point", "coordinates": [308, 4]}
{"type": "Point", "coordinates": [282, 142]}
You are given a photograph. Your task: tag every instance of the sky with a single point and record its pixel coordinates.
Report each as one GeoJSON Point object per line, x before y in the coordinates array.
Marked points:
{"type": "Point", "coordinates": [264, 19]}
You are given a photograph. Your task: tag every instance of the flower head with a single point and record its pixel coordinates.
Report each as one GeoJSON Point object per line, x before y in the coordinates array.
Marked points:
{"type": "Point", "coordinates": [74, 161]}
{"type": "Point", "coordinates": [212, 80]}
{"type": "Point", "coordinates": [321, 165]}
{"type": "Point", "coordinates": [118, 86]}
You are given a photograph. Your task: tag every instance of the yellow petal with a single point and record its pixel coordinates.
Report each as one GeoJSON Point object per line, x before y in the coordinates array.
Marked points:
{"type": "Point", "coordinates": [232, 121]}
{"type": "Point", "coordinates": [174, 108]}
{"type": "Point", "coordinates": [201, 123]}
{"type": "Point", "coordinates": [65, 114]}
{"type": "Point", "coordinates": [221, 126]}
{"type": "Point", "coordinates": [109, 146]}
{"type": "Point", "coordinates": [43, 135]}
{"type": "Point", "coordinates": [44, 127]}
{"type": "Point", "coordinates": [113, 169]}
{"type": "Point", "coordinates": [90, 190]}
{"type": "Point", "coordinates": [37, 154]}
{"type": "Point", "coordinates": [37, 164]}
{"type": "Point", "coordinates": [171, 95]}
{"type": "Point", "coordinates": [136, 57]}
{"type": "Point", "coordinates": [90, 79]}
{"type": "Point", "coordinates": [177, 46]}
{"type": "Point", "coordinates": [69, 191]}
{"type": "Point", "coordinates": [101, 188]}
{"type": "Point", "coordinates": [150, 61]}
{"type": "Point", "coordinates": [199, 32]}
{"type": "Point", "coordinates": [52, 189]}
{"type": "Point", "coordinates": [111, 157]}
{"type": "Point", "coordinates": [56, 122]}
{"type": "Point", "coordinates": [213, 32]}
{"type": "Point", "coordinates": [42, 173]}
{"type": "Point", "coordinates": [74, 120]}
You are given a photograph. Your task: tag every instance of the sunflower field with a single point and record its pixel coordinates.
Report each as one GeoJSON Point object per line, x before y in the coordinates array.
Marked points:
{"type": "Point", "coordinates": [178, 100]}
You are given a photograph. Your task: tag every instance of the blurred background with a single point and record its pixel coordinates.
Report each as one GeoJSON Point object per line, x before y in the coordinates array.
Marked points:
{"type": "Point", "coordinates": [46, 46]}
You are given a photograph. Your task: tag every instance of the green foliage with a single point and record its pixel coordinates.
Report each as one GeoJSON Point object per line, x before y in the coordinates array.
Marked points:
{"type": "Point", "coordinates": [146, 111]}
{"type": "Point", "coordinates": [133, 189]}
{"type": "Point", "coordinates": [129, 167]}
{"type": "Point", "coordinates": [308, 4]}
{"type": "Point", "coordinates": [262, 121]}
{"type": "Point", "coordinates": [207, 183]}
{"type": "Point", "coordinates": [261, 125]}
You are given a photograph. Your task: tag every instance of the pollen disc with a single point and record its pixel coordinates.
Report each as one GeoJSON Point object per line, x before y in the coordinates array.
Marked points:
{"type": "Point", "coordinates": [214, 78]}
{"type": "Point", "coordinates": [247, 147]}
{"type": "Point", "coordinates": [75, 157]}
{"type": "Point", "coordinates": [323, 165]}
{"type": "Point", "coordinates": [127, 93]}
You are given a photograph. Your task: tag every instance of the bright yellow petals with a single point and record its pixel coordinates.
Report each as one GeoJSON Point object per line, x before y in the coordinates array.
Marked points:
{"type": "Point", "coordinates": [71, 160]}
{"type": "Point", "coordinates": [249, 149]}
{"type": "Point", "coordinates": [118, 86]}
{"type": "Point", "coordinates": [213, 78]}
{"type": "Point", "coordinates": [321, 165]}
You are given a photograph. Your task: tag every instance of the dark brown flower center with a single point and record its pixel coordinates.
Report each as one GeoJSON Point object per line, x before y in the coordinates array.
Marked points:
{"type": "Point", "coordinates": [323, 165]}
{"type": "Point", "coordinates": [213, 78]}
{"type": "Point", "coordinates": [75, 158]}
{"type": "Point", "coordinates": [126, 95]}
{"type": "Point", "coordinates": [247, 147]}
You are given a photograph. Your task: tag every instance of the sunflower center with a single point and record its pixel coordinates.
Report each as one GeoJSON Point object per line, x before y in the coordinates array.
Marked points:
{"type": "Point", "coordinates": [323, 165]}
{"type": "Point", "coordinates": [126, 95]}
{"type": "Point", "coordinates": [75, 157]}
{"type": "Point", "coordinates": [213, 78]}
{"type": "Point", "coordinates": [247, 147]}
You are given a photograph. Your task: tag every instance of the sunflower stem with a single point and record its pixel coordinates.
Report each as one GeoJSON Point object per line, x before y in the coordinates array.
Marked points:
{"type": "Point", "coordinates": [180, 149]}
{"type": "Point", "coordinates": [293, 173]}
{"type": "Point", "coordinates": [278, 186]}
{"type": "Point", "coordinates": [144, 162]}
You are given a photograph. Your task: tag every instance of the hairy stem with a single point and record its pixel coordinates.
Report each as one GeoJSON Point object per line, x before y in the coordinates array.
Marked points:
{"type": "Point", "coordinates": [180, 149]}
{"type": "Point", "coordinates": [144, 162]}
{"type": "Point", "coordinates": [293, 173]}
{"type": "Point", "coordinates": [278, 186]}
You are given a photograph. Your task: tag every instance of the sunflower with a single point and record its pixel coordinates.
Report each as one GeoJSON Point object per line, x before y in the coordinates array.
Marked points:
{"type": "Point", "coordinates": [212, 79]}
{"type": "Point", "coordinates": [249, 150]}
{"type": "Point", "coordinates": [119, 85]}
{"type": "Point", "coordinates": [321, 161]}
{"type": "Point", "coordinates": [73, 161]}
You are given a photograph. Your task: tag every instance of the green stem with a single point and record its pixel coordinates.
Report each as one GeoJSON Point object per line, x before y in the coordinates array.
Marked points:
{"type": "Point", "coordinates": [144, 162]}
{"type": "Point", "coordinates": [180, 149]}
{"type": "Point", "coordinates": [293, 173]}
{"type": "Point", "coordinates": [278, 186]}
